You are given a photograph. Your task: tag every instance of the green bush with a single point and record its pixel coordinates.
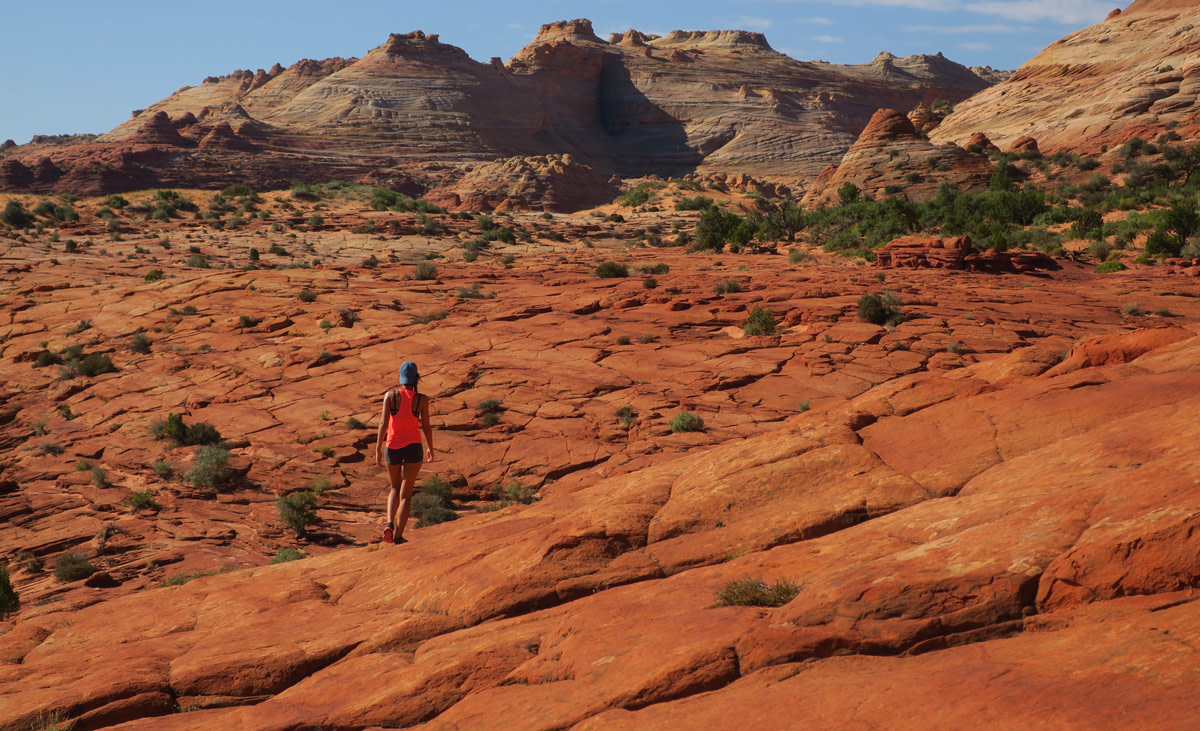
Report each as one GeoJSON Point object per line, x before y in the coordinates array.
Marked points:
{"type": "Point", "coordinates": [285, 554]}
{"type": "Point", "coordinates": [73, 566]}
{"type": "Point", "coordinates": [686, 421]}
{"type": "Point", "coordinates": [760, 322]}
{"type": "Point", "coordinates": [626, 415]}
{"type": "Point", "coordinates": [247, 321]}
{"type": "Point", "coordinates": [153, 275]}
{"type": "Point", "coordinates": [611, 270]}
{"type": "Point", "coordinates": [488, 406]}
{"type": "Point", "coordinates": [1109, 267]}
{"type": "Point", "coordinates": [178, 434]}
{"type": "Point", "coordinates": [425, 270]}
{"type": "Point", "coordinates": [699, 203]}
{"type": "Point", "coordinates": [140, 343]}
{"type": "Point", "coordinates": [434, 503]}
{"type": "Point", "coordinates": [881, 309]}
{"type": "Point", "coordinates": [93, 364]}
{"type": "Point", "coordinates": [298, 511]}
{"type": "Point", "coordinates": [15, 215]}
{"type": "Point", "coordinates": [9, 600]}
{"type": "Point", "coordinates": [142, 499]}
{"type": "Point", "coordinates": [753, 592]}
{"type": "Point", "coordinates": [209, 470]}
{"type": "Point", "coordinates": [729, 286]}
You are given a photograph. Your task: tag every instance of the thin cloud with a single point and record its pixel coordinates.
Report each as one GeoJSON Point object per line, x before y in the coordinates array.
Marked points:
{"type": "Point", "coordinates": [964, 29]}
{"type": "Point", "coordinates": [817, 20]}
{"type": "Point", "coordinates": [747, 21]}
{"type": "Point", "coordinates": [1071, 12]}
{"type": "Point", "coordinates": [976, 46]}
{"type": "Point", "coordinates": [1068, 12]}
{"type": "Point", "coordinates": [827, 39]}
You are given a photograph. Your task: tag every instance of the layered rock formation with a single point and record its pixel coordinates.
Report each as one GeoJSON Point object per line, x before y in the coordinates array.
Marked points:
{"type": "Point", "coordinates": [957, 253]}
{"type": "Point", "coordinates": [1134, 74]}
{"type": "Point", "coordinates": [889, 158]}
{"type": "Point", "coordinates": [549, 183]}
{"type": "Point", "coordinates": [958, 491]}
{"type": "Point", "coordinates": [717, 102]}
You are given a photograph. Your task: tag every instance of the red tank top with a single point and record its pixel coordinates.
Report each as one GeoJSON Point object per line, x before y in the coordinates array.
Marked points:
{"type": "Point", "coordinates": [403, 428]}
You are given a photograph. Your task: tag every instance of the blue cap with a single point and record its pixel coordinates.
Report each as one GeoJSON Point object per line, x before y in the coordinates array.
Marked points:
{"type": "Point", "coordinates": [408, 373]}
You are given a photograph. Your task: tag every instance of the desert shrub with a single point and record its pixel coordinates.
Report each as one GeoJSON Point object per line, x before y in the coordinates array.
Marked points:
{"type": "Point", "coordinates": [93, 364]}
{"type": "Point", "coordinates": [287, 553]}
{"type": "Point", "coordinates": [247, 321]}
{"type": "Point", "coordinates": [100, 476]}
{"type": "Point", "coordinates": [306, 192]}
{"type": "Point", "coordinates": [197, 261]}
{"type": "Point", "coordinates": [298, 511]}
{"type": "Point", "coordinates": [50, 448]}
{"type": "Point", "coordinates": [308, 296]}
{"type": "Point", "coordinates": [1100, 250]}
{"type": "Point", "coordinates": [47, 358]}
{"type": "Point", "coordinates": [626, 415]}
{"type": "Point", "coordinates": [1109, 267]}
{"type": "Point", "coordinates": [432, 317]}
{"type": "Point", "coordinates": [209, 470]}
{"type": "Point", "coordinates": [716, 228]}
{"type": "Point", "coordinates": [729, 286]}
{"type": "Point", "coordinates": [1132, 309]}
{"type": "Point", "coordinates": [1137, 147]}
{"type": "Point", "coordinates": [686, 421]}
{"type": "Point", "coordinates": [797, 256]}
{"type": "Point", "coordinates": [425, 270]}
{"type": "Point", "coordinates": [500, 233]}
{"type": "Point", "coordinates": [760, 322]}
{"type": "Point", "coordinates": [488, 406]}
{"type": "Point", "coordinates": [139, 343]}
{"type": "Point", "coordinates": [1089, 224]}
{"type": "Point", "coordinates": [433, 503]}
{"type": "Point", "coordinates": [649, 283]}
{"type": "Point", "coordinates": [15, 215]}
{"type": "Point", "coordinates": [178, 434]}
{"type": "Point", "coordinates": [73, 566]}
{"type": "Point", "coordinates": [1161, 243]}
{"type": "Point", "coordinates": [611, 270]}
{"type": "Point", "coordinates": [754, 592]}
{"type": "Point", "coordinates": [9, 599]}
{"type": "Point", "coordinates": [238, 190]}
{"type": "Point", "coordinates": [142, 499]}
{"type": "Point", "coordinates": [880, 309]}
{"type": "Point", "coordinates": [153, 275]}
{"type": "Point", "coordinates": [163, 469]}
{"type": "Point", "coordinates": [515, 492]}
{"type": "Point", "coordinates": [699, 203]}
{"type": "Point", "coordinates": [636, 196]}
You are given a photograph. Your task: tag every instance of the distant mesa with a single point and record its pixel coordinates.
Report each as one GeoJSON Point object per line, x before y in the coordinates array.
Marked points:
{"type": "Point", "coordinates": [702, 102]}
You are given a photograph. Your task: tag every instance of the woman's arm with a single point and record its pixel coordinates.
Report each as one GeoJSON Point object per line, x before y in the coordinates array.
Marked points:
{"type": "Point", "coordinates": [427, 429]}
{"type": "Point", "coordinates": [383, 424]}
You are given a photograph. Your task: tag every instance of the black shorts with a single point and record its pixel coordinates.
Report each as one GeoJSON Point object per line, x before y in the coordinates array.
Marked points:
{"type": "Point", "coordinates": [409, 454]}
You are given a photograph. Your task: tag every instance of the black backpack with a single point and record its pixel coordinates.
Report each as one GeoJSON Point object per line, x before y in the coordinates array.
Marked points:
{"type": "Point", "coordinates": [416, 403]}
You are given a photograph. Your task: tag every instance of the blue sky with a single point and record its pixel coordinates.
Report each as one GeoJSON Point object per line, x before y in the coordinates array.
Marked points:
{"type": "Point", "coordinates": [83, 66]}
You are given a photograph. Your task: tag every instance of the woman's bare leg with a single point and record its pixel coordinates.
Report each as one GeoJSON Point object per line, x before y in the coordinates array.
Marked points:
{"type": "Point", "coordinates": [395, 482]}
{"type": "Point", "coordinates": [406, 492]}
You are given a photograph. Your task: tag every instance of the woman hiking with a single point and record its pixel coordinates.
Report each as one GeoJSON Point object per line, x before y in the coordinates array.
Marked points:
{"type": "Point", "coordinates": [405, 418]}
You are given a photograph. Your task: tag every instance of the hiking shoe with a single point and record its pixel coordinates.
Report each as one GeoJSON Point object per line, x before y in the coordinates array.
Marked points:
{"type": "Point", "coordinates": [387, 533]}
{"type": "Point", "coordinates": [400, 539]}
